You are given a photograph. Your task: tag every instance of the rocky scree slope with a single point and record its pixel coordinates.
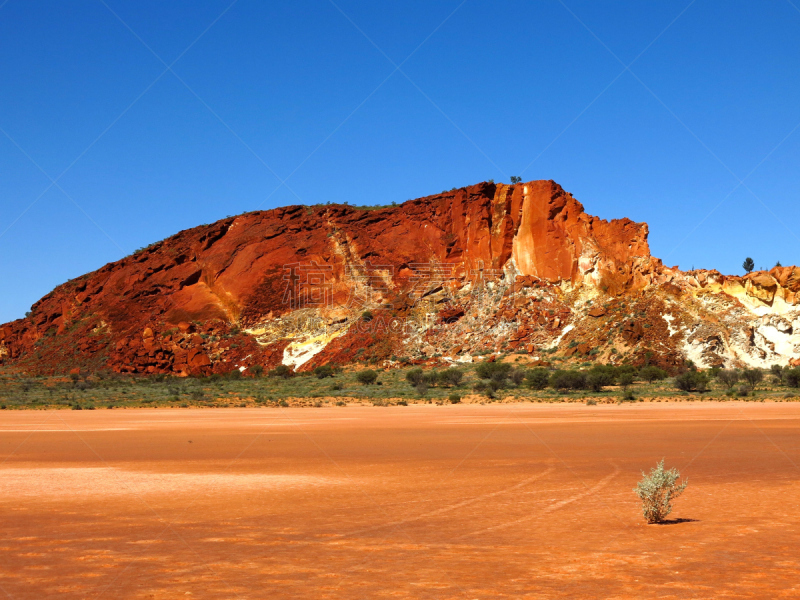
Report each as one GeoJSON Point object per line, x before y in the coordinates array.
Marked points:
{"type": "Point", "coordinates": [446, 278]}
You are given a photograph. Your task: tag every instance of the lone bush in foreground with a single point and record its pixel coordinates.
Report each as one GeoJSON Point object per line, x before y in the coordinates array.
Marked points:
{"type": "Point", "coordinates": [657, 491]}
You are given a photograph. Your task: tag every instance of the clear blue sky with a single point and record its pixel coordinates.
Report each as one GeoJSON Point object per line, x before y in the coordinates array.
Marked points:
{"type": "Point", "coordinates": [697, 138]}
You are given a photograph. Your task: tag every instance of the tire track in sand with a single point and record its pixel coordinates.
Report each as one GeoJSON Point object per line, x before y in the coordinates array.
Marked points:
{"type": "Point", "coordinates": [452, 507]}
{"type": "Point", "coordinates": [548, 509]}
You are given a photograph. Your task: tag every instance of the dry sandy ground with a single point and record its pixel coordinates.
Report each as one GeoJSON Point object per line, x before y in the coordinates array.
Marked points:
{"type": "Point", "coordinates": [495, 501]}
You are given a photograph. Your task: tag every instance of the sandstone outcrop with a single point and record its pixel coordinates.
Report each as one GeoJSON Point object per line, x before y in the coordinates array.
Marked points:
{"type": "Point", "coordinates": [480, 268]}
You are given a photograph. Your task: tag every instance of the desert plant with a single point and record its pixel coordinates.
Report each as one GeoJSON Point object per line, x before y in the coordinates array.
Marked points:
{"type": "Point", "coordinates": [537, 378]}
{"type": "Point", "coordinates": [515, 179]}
{"type": "Point", "coordinates": [591, 402]}
{"type": "Point", "coordinates": [282, 371]}
{"type": "Point", "coordinates": [454, 398]}
{"type": "Point", "coordinates": [753, 377]}
{"type": "Point", "coordinates": [777, 372]}
{"type": "Point", "coordinates": [657, 491]}
{"type": "Point", "coordinates": [595, 381]}
{"type": "Point", "coordinates": [256, 370]}
{"type": "Point", "coordinates": [792, 377]}
{"type": "Point", "coordinates": [651, 374]}
{"type": "Point", "coordinates": [568, 380]}
{"type": "Point", "coordinates": [366, 377]}
{"type": "Point", "coordinates": [748, 264]}
{"type": "Point", "coordinates": [415, 376]}
{"type": "Point", "coordinates": [626, 380]}
{"type": "Point", "coordinates": [492, 370]}
{"type": "Point", "coordinates": [728, 377]}
{"type": "Point", "coordinates": [451, 377]}
{"type": "Point", "coordinates": [323, 371]}
{"type": "Point", "coordinates": [517, 376]}
{"type": "Point", "coordinates": [366, 316]}
{"type": "Point", "coordinates": [691, 381]}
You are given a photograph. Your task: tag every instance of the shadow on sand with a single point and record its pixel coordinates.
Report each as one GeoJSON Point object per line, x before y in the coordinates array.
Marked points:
{"type": "Point", "coordinates": [676, 521]}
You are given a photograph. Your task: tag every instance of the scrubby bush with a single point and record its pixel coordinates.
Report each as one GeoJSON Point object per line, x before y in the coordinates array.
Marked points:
{"type": "Point", "coordinates": [753, 377]}
{"type": "Point", "coordinates": [657, 491]}
{"type": "Point", "coordinates": [492, 370]}
{"type": "Point", "coordinates": [451, 377]}
{"type": "Point", "coordinates": [591, 402]}
{"type": "Point", "coordinates": [367, 316]}
{"type": "Point", "coordinates": [366, 377]}
{"type": "Point", "coordinates": [537, 378]}
{"type": "Point", "coordinates": [744, 391]}
{"type": "Point", "coordinates": [792, 377]}
{"type": "Point", "coordinates": [692, 381]}
{"type": "Point", "coordinates": [728, 378]}
{"type": "Point", "coordinates": [454, 398]}
{"type": "Point", "coordinates": [651, 374]}
{"type": "Point", "coordinates": [323, 371]}
{"type": "Point", "coordinates": [595, 381]}
{"type": "Point", "coordinates": [415, 376]}
{"type": "Point", "coordinates": [600, 376]}
{"type": "Point", "coordinates": [517, 376]}
{"type": "Point", "coordinates": [256, 370]}
{"type": "Point", "coordinates": [625, 380]}
{"type": "Point", "coordinates": [568, 380]}
{"type": "Point", "coordinates": [777, 371]}
{"type": "Point", "coordinates": [282, 371]}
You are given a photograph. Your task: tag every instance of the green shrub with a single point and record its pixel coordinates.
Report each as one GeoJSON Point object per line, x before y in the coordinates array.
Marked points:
{"type": "Point", "coordinates": [323, 371]}
{"type": "Point", "coordinates": [451, 377]}
{"type": "Point", "coordinates": [367, 316]}
{"type": "Point", "coordinates": [415, 376]}
{"type": "Point", "coordinates": [568, 380]}
{"type": "Point", "coordinates": [591, 402]}
{"type": "Point", "coordinates": [517, 376]}
{"type": "Point", "coordinates": [657, 491]}
{"type": "Point", "coordinates": [792, 377]}
{"type": "Point", "coordinates": [537, 378]}
{"type": "Point", "coordinates": [282, 371]}
{"type": "Point", "coordinates": [753, 377]}
{"type": "Point", "coordinates": [728, 377]}
{"type": "Point", "coordinates": [691, 381]}
{"type": "Point", "coordinates": [625, 380]}
{"type": "Point", "coordinates": [256, 370]}
{"type": "Point", "coordinates": [651, 374]}
{"type": "Point", "coordinates": [366, 377]}
{"type": "Point", "coordinates": [454, 398]}
{"type": "Point", "coordinates": [490, 370]}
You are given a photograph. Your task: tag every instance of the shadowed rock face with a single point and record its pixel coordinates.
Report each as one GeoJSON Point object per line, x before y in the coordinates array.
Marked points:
{"type": "Point", "coordinates": [229, 295]}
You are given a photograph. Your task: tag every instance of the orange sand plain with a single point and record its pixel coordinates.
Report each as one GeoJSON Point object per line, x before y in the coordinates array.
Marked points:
{"type": "Point", "coordinates": [424, 501]}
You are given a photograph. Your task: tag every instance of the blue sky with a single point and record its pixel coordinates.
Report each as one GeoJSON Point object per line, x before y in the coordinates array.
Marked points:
{"type": "Point", "coordinates": [154, 117]}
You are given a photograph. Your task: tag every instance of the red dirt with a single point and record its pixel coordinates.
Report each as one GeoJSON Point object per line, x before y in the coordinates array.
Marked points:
{"type": "Point", "coordinates": [495, 501]}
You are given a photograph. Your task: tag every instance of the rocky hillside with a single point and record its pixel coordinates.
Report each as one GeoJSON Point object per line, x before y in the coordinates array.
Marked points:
{"type": "Point", "coordinates": [447, 278]}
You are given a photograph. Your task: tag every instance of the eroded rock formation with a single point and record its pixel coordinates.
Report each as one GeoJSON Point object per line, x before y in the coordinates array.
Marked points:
{"type": "Point", "coordinates": [447, 277]}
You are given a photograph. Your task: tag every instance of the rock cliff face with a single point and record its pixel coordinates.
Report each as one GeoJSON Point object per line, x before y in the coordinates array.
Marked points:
{"type": "Point", "coordinates": [447, 277]}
